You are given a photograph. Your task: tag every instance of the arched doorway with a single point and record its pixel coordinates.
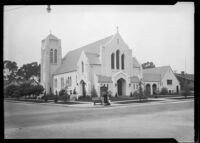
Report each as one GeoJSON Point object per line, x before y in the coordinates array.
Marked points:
{"type": "Point", "coordinates": [148, 89]}
{"type": "Point", "coordinates": [154, 87]}
{"type": "Point", "coordinates": [121, 86]}
{"type": "Point", "coordinates": [82, 88]}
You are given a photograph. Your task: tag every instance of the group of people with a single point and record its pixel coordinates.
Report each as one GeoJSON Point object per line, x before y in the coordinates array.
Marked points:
{"type": "Point", "coordinates": [106, 98]}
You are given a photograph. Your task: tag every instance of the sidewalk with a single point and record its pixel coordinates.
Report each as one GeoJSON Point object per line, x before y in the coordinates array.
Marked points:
{"type": "Point", "coordinates": [113, 104]}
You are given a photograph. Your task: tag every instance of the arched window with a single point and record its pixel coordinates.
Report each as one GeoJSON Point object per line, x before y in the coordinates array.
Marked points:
{"type": "Point", "coordinates": [62, 82]}
{"type": "Point", "coordinates": [117, 59]}
{"type": "Point", "coordinates": [122, 61]}
{"type": "Point", "coordinates": [51, 56]}
{"type": "Point", "coordinates": [112, 60]}
{"type": "Point", "coordinates": [68, 83]}
{"type": "Point", "coordinates": [55, 56]}
{"type": "Point", "coordinates": [82, 67]}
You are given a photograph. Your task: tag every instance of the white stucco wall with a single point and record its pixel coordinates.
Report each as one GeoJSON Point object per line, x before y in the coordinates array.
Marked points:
{"type": "Point", "coordinates": [169, 75]}
{"type": "Point", "coordinates": [112, 47]}
{"type": "Point", "coordinates": [86, 76]}
{"type": "Point", "coordinates": [47, 68]}
{"type": "Point", "coordinates": [73, 76]}
{"type": "Point", "coordinates": [105, 56]}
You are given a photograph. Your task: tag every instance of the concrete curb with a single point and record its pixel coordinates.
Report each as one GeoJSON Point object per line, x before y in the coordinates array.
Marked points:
{"type": "Point", "coordinates": [113, 104]}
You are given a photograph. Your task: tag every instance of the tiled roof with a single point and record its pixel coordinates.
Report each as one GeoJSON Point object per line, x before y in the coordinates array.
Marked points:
{"type": "Point", "coordinates": [149, 77]}
{"type": "Point", "coordinates": [135, 79]}
{"type": "Point", "coordinates": [69, 62]}
{"type": "Point", "coordinates": [93, 58]}
{"type": "Point", "coordinates": [157, 70]}
{"type": "Point", "coordinates": [135, 63]}
{"type": "Point", "coordinates": [104, 79]}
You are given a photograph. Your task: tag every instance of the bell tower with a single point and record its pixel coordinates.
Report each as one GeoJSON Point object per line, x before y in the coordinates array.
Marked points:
{"type": "Point", "coordinates": [51, 57]}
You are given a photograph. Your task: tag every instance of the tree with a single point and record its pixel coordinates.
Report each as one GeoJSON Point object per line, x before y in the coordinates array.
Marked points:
{"type": "Point", "coordinates": [10, 70]}
{"type": "Point", "coordinates": [29, 70]}
{"type": "Point", "coordinates": [64, 95]}
{"type": "Point", "coordinates": [37, 89]}
{"type": "Point", "coordinates": [164, 91]}
{"type": "Point", "coordinates": [74, 91]}
{"type": "Point", "coordinates": [142, 94]}
{"type": "Point", "coordinates": [25, 89]}
{"type": "Point", "coordinates": [148, 65]}
{"type": "Point", "coordinates": [10, 90]}
{"type": "Point", "coordinates": [186, 90]}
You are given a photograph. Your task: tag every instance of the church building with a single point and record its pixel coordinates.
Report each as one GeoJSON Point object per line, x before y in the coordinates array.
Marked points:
{"type": "Point", "coordinates": [107, 62]}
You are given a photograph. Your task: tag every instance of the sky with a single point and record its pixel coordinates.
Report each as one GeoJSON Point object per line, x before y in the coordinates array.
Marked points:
{"type": "Point", "coordinates": [162, 34]}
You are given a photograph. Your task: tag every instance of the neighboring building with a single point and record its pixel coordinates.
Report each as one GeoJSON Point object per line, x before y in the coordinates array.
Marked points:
{"type": "Point", "coordinates": [186, 78]}
{"type": "Point", "coordinates": [106, 62]}
{"type": "Point", "coordinates": [160, 77]}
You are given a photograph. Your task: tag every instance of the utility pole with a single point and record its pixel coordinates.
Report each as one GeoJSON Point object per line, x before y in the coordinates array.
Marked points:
{"type": "Point", "coordinates": [185, 65]}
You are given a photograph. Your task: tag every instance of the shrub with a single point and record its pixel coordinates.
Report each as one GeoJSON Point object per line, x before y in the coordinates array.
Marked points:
{"type": "Point", "coordinates": [56, 99]}
{"type": "Point", "coordinates": [93, 92]}
{"type": "Point", "coordinates": [63, 95]}
{"type": "Point", "coordinates": [136, 94]}
{"type": "Point", "coordinates": [17, 93]}
{"type": "Point", "coordinates": [85, 98]}
{"type": "Point", "coordinates": [191, 86]}
{"type": "Point", "coordinates": [62, 92]}
{"type": "Point", "coordinates": [11, 90]}
{"type": "Point", "coordinates": [25, 89]}
{"type": "Point", "coordinates": [146, 93]}
{"type": "Point", "coordinates": [186, 90]}
{"type": "Point", "coordinates": [37, 89]}
{"type": "Point", "coordinates": [142, 94]}
{"type": "Point", "coordinates": [74, 91]}
{"type": "Point", "coordinates": [164, 91]}
{"type": "Point", "coordinates": [109, 93]}
{"type": "Point", "coordinates": [45, 98]}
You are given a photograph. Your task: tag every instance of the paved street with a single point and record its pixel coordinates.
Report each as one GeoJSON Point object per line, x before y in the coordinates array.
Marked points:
{"type": "Point", "coordinates": [145, 120]}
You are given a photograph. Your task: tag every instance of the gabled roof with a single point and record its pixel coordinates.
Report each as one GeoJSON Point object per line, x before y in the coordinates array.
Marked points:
{"type": "Point", "coordinates": [149, 77]}
{"type": "Point", "coordinates": [71, 58]}
{"type": "Point", "coordinates": [135, 63]}
{"type": "Point", "coordinates": [104, 79]}
{"type": "Point", "coordinates": [93, 58]}
{"type": "Point", "coordinates": [135, 79]}
{"type": "Point", "coordinates": [157, 70]}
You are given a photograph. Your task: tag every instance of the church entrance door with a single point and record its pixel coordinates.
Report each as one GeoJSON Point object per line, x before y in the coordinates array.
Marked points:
{"type": "Point", "coordinates": [83, 88]}
{"type": "Point", "coordinates": [121, 87]}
